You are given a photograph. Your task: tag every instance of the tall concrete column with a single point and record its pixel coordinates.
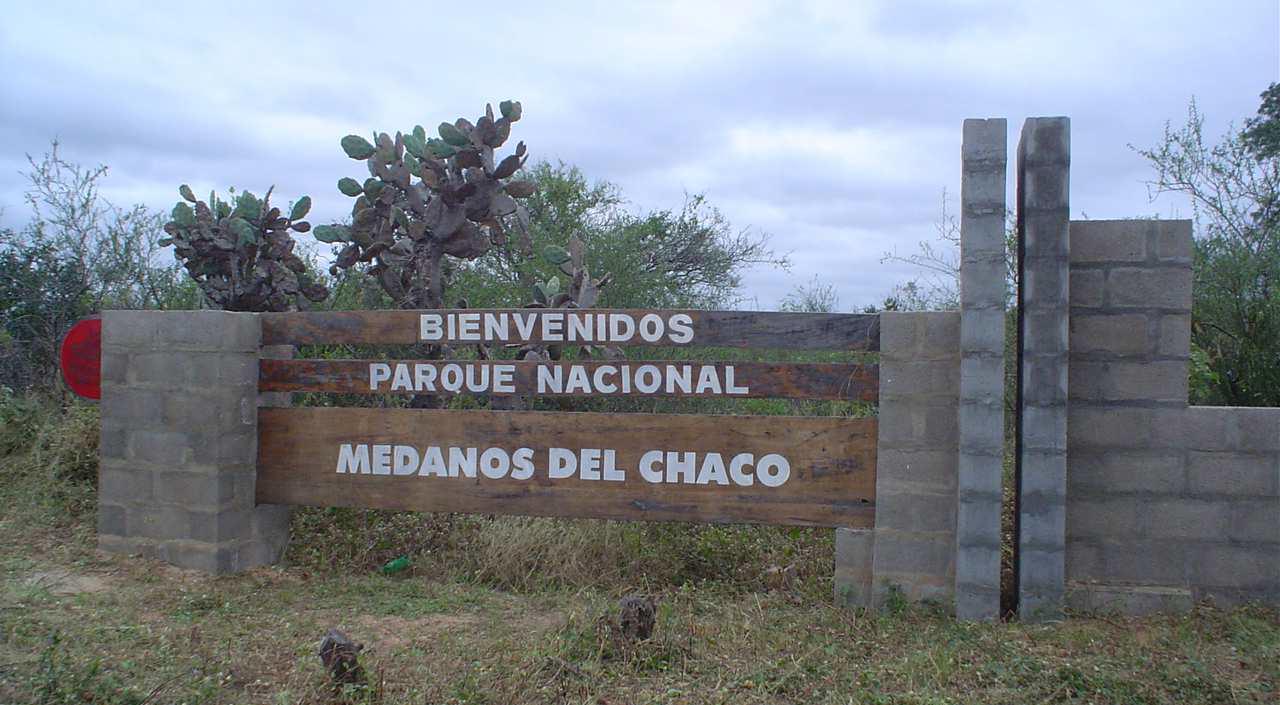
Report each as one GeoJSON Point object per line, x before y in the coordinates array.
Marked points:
{"type": "Point", "coordinates": [179, 441]}
{"type": "Point", "coordinates": [981, 418]}
{"type": "Point", "coordinates": [1044, 164]}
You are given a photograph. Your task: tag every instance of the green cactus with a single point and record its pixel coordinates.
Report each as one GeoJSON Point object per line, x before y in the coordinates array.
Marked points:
{"type": "Point", "coordinates": [428, 197]}
{"type": "Point", "coordinates": [583, 292]}
{"type": "Point", "coordinates": [242, 257]}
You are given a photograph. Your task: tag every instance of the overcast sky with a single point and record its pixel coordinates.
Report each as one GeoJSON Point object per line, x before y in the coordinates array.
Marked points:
{"type": "Point", "coordinates": [832, 126]}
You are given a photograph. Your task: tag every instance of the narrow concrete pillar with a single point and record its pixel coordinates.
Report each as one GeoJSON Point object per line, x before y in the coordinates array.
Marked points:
{"type": "Point", "coordinates": [179, 441]}
{"type": "Point", "coordinates": [1044, 164]}
{"type": "Point", "coordinates": [983, 291]}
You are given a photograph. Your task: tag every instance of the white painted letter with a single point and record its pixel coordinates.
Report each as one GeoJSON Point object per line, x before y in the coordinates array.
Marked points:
{"type": "Point", "coordinates": [712, 470]}
{"type": "Point", "coordinates": [429, 327]}
{"type": "Point", "coordinates": [562, 463]}
{"type": "Point", "coordinates": [378, 372]}
{"type": "Point", "coordinates": [773, 470]}
{"type": "Point", "coordinates": [611, 471]}
{"type": "Point", "coordinates": [494, 463]}
{"type": "Point", "coordinates": [651, 327]}
{"type": "Point", "coordinates": [352, 460]}
{"type": "Point", "coordinates": [736, 465]}
{"type": "Point", "coordinates": [522, 464]}
{"type": "Point", "coordinates": [681, 328]}
{"type": "Point", "coordinates": [504, 378]}
{"type": "Point", "coordinates": [681, 467]}
{"type": "Point", "coordinates": [646, 466]}
{"type": "Point", "coordinates": [405, 461]}
{"type": "Point", "coordinates": [381, 459]}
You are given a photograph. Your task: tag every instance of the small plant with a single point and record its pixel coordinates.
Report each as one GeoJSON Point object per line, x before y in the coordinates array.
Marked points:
{"type": "Point", "coordinates": [583, 292]}
{"type": "Point", "coordinates": [242, 256]}
{"type": "Point", "coordinates": [429, 197]}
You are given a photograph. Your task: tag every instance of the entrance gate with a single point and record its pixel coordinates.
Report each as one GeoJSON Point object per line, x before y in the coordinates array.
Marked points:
{"type": "Point", "coordinates": [815, 471]}
{"type": "Point", "coordinates": [200, 462]}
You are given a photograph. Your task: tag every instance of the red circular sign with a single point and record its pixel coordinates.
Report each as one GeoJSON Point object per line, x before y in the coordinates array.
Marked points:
{"type": "Point", "coordinates": [81, 358]}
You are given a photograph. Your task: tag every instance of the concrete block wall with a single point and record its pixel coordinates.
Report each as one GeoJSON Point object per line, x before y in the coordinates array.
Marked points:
{"type": "Point", "coordinates": [1167, 504]}
{"type": "Point", "coordinates": [179, 441]}
{"type": "Point", "coordinates": [912, 547]}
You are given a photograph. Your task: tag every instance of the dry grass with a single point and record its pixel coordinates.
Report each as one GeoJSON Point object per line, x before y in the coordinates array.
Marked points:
{"type": "Point", "coordinates": [509, 611]}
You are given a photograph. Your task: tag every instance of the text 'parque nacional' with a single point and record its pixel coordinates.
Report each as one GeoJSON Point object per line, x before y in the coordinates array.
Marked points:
{"type": "Point", "coordinates": [499, 378]}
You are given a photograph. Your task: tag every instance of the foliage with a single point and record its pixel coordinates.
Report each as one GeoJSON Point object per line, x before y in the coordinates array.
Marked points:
{"type": "Point", "coordinates": [686, 258]}
{"type": "Point", "coordinates": [457, 208]}
{"type": "Point", "coordinates": [1262, 133]}
{"type": "Point", "coordinates": [814, 297]}
{"type": "Point", "coordinates": [115, 248]}
{"type": "Point", "coordinates": [242, 257]}
{"type": "Point", "coordinates": [583, 292]}
{"type": "Point", "coordinates": [42, 293]}
{"type": "Point", "coordinates": [77, 255]}
{"type": "Point", "coordinates": [48, 458]}
{"type": "Point", "coordinates": [1234, 188]}
{"type": "Point", "coordinates": [937, 288]}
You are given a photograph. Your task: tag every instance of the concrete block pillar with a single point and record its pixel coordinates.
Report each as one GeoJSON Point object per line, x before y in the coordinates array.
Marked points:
{"type": "Point", "coordinates": [914, 546]}
{"type": "Point", "coordinates": [179, 441]}
{"type": "Point", "coordinates": [983, 291]}
{"type": "Point", "coordinates": [1044, 164]}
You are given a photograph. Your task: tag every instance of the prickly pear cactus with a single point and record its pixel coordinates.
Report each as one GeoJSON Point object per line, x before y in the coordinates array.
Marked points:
{"type": "Point", "coordinates": [241, 253]}
{"type": "Point", "coordinates": [582, 292]}
{"type": "Point", "coordinates": [427, 197]}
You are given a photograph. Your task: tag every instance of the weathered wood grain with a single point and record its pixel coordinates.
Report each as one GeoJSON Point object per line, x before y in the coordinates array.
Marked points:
{"type": "Point", "coordinates": [832, 462]}
{"type": "Point", "coordinates": [738, 329]}
{"type": "Point", "coordinates": [846, 381]}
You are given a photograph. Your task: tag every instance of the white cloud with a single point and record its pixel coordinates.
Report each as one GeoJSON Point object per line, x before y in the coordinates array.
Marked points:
{"type": "Point", "coordinates": [833, 125]}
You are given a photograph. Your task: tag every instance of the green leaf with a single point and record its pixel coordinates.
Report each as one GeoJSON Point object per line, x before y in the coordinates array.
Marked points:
{"type": "Point", "coordinates": [186, 192]}
{"type": "Point", "coordinates": [248, 206]}
{"type": "Point", "coordinates": [372, 187]}
{"type": "Point", "coordinates": [510, 110]}
{"type": "Point", "coordinates": [400, 217]}
{"type": "Point", "coordinates": [551, 287]}
{"type": "Point", "coordinates": [331, 233]}
{"type": "Point", "coordinates": [417, 146]}
{"type": "Point", "coordinates": [350, 187]}
{"type": "Point", "coordinates": [420, 134]}
{"type": "Point", "coordinates": [301, 208]}
{"type": "Point", "coordinates": [555, 254]}
{"type": "Point", "coordinates": [440, 149]}
{"type": "Point", "coordinates": [183, 215]}
{"type": "Point", "coordinates": [164, 241]}
{"type": "Point", "coordinates": [357, 147]}
{"type": "Point", "coordinates": [244, 232]}
{"type": "Point", "coordinates": [453, 135]}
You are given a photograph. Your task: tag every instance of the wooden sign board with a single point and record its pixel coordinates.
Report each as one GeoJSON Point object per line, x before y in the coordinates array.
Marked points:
{"type": "Point", "coordinates": [740, 380]}
{"type": "Point", "coordinates": [737, 329]}
{"type": "Point", "coordinates": [816, 471]}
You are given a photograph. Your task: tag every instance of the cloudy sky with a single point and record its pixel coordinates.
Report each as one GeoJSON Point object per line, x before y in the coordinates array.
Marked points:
{"type": "Point", "coordinates": [832, 126]}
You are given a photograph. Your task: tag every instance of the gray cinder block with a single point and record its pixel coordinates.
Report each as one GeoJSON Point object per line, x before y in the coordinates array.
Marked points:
{"type": "Point", "coordinates": [179, 430]}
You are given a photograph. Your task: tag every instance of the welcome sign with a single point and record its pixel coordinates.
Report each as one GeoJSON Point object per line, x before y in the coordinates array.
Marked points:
{"type": "Point", "coordinates": [765, 469]}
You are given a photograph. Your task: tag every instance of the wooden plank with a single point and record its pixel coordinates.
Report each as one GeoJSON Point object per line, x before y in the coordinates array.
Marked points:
{"type": "Point", "coordinates": [737, 329]}
{"type": "Point", "coordinates": [831, 480]}
{"type": "Point", "coordinates": [741, 380]}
